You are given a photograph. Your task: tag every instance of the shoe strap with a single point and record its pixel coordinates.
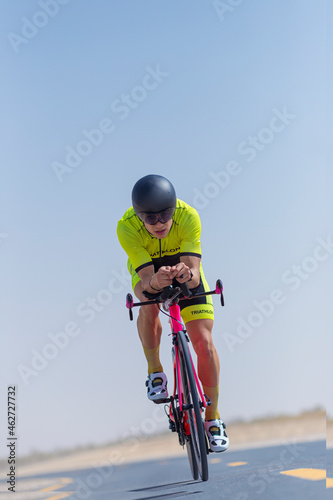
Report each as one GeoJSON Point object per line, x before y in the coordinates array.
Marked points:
{"type": "Point", "coordinates": [156, 382]}
{"type": "Point", "coordinates": [215, 431]}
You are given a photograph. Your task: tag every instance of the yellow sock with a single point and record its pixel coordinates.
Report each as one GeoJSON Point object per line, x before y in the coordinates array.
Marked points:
{"type": "Point", "coordinates": [212, 412]}
{"type": "Point", "coordinates": [153, 359]}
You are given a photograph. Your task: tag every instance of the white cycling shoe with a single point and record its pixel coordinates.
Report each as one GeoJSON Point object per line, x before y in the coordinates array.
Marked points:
{"type": "Point", "coordinates": [217, 436]}
{"type": "Point", "coordinates": [156, 384]}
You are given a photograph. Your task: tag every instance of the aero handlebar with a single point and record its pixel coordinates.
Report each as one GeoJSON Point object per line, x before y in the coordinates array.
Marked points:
{"type": "Point", "coordinates": [171, 294]}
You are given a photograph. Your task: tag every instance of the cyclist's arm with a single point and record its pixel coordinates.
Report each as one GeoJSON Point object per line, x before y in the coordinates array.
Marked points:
{"type": "Point", "coordinates": [153, 282]}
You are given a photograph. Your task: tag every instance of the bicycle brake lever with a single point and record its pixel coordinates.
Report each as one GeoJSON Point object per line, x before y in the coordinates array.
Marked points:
{"type": "Point", "coordinates": [219, 291]}
{"type": "Point", "coordinates": [129, 305]}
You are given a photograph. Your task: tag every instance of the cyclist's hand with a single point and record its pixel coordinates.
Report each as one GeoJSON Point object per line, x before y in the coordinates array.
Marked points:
{"type": "Point", "coordinates": [181, 272]}
{"type": "Point", "coordinates": [163, 277]}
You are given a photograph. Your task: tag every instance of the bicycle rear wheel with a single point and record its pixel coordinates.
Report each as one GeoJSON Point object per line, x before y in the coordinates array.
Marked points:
{"type": "Point", "coordinates": [196, 439]}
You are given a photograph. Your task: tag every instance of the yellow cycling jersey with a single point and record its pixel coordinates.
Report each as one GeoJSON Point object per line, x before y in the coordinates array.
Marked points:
{"type": "Point", "coordinates": [143, 249]}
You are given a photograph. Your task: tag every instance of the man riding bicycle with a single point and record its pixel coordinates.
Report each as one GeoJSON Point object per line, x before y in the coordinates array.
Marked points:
{"type": "Point", "coordinates": [161, 236]}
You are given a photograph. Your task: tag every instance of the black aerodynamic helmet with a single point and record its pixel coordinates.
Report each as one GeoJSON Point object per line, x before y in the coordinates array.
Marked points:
{"type": "Point", "coordinates": [153, 193]}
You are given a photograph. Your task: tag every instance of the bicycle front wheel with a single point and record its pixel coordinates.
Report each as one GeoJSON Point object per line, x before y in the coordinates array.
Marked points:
{"type": "Point", "coordinates": [196, 438]}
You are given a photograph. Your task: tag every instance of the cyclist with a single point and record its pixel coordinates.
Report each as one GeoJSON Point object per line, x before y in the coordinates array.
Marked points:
{"type": "Point", "coordinates": [161, 236]}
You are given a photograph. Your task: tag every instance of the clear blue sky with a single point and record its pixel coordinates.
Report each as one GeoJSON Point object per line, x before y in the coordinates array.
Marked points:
{"type": "Point", "coordinates": [232, 108]}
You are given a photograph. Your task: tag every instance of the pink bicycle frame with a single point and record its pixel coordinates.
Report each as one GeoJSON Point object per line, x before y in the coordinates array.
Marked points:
{"type": "Point", "coordinates": [177, 326]}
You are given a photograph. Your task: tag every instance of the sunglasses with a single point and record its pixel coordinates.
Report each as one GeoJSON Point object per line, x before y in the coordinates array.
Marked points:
{"type": "Point", "coordinates": [153, 218]}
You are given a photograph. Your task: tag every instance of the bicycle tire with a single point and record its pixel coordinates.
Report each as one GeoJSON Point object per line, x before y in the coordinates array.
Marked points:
{"type": "Point", "coordinates": [196, 441]}
{"type": "Point", "coordinates": [192, 459]}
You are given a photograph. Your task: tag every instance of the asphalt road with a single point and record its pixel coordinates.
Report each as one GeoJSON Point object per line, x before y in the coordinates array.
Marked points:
{"type": "Point", "coordinates": [287, 472]}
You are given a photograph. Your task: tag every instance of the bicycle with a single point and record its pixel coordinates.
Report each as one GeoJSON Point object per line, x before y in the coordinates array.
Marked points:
{"type": "Point", "coordinates": [187, 402]}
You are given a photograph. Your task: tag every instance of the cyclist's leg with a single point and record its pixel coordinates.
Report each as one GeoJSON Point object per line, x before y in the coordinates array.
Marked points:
{"type": "Point", "coordinates": [150, 330]}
